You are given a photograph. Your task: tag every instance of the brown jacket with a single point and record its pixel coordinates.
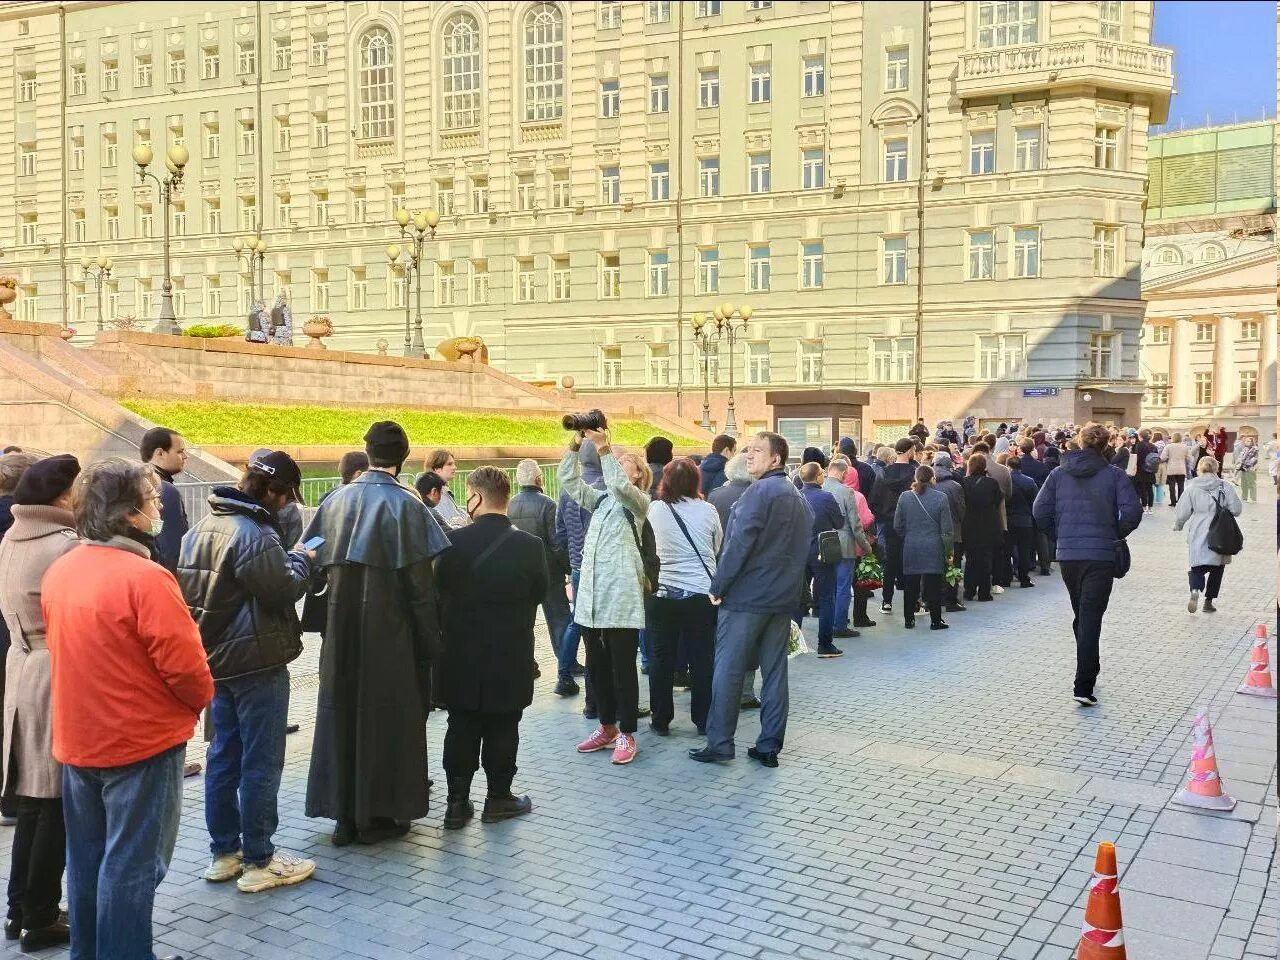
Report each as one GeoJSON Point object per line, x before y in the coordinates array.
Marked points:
{"type": "Point", "coordinates": [1003, 476]}
{"type": "Point", "coordinates": [39, 536]}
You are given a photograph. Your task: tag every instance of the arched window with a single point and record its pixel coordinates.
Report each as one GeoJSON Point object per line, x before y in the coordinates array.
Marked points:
{"type": "Point", "coordinates": [1168, 256]}
{"type": "Point", "coordinates": [461, 72]}
{"type": "Point", "coordinates": [1211, 253]}
{"type": "Point", "coordinates": [377, 85]}
{"type": "Point", "coordinates": [544, 63]}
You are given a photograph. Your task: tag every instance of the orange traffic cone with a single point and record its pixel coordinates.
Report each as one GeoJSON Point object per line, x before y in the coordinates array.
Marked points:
{"type": "Point", "coordinates": [1204, 787]}
{"type": "Point", "coordinates": [1103, 935]}
{"type": "Point", "coordinates": [1257, 682]}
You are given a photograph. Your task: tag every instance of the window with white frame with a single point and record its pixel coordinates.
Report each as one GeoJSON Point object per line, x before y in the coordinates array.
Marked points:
{"type": "Point", "coordinates": [359, 288]}
{"type": "Point", "coordinates": [708, 360]}
{"type": "Point", "coordinates": [610, 185]}
{"type": "Point", "coordinates": [79, 302]}
{"type": "Point", "coordinates": [28, 229]}
{"type": "Point", "coordinates": [981, 254]}
{"type": "Point", "coordinates": [210, 63]}
{"type": "Point", "coordinates": [319, 289]}
{"type": "Point", "coordinates": [893, 260]}
{"type": "Point", "coordinates": [110, 75]}
{"type": "Point", "coordinates": [1026, 252]}
{"type": "Point", "coordinates": [760, 87]}
{"type": "Point", "coordinates": [110, 147]}
{"type": "Point", "coordinates": [525, 280]}
{"type": "Point", "coordinates": [895, 160]}
{"type": "Point", "coordinates": [1107, 250]}
{"type": "Point", "coordinates": [213, 297]}
{"type": "Point", "coordinates": [1110, 13]}
{"type": "Point", "coordinates": [446, 284]}
{"type": "Point", "coordinates": [659, 93]}
{"type": "Point", "coordinates": [893, 359]}
{"type": "Point", "coordinates": [320, 208]}
{"type": "Point", "coordinates": [1206, 332]}
{"type": "Point", "coordinates": [177, 136]}
{"type": "Point", "coordinates": [244, 294]}
{"type": "Point", "coordinates": [1250, 330]}
{"type": "Point", "coordinates": [146, 221]}
{"type": "Point", "coordinates": [812, 265]}
{"type": "Point", "coordinates": [1026, 148]}
{"type": "Point", "coordinates": [561, 280]}
{"type": "Point", "coordinates": [395, 197]}
{"type": "Point", "coordinates": [142, 71]}
{"type": "Point", "coordinates": [658, 367]}
{"type": "Point", "coordinates": [359, 205]}
{"type": "Point", "coordinates": [1168, 256]}
{"type": "Point", "coordinates": [813, 76]}
{"type": "Point", "coordinates": [79, 226]}
{"type": "Point", "coordinates": [809, 361]}
{"type": "Point", "coordinates": [179, 293]}
{"type": "Point", "coordinates": [212, 215]}
{"type": "Point", "coordinates": [609, 14]}
{"type": "Point", "coordinates": [1007, 23]}
{"type": "Point", "coordinates": [479, 282]}
{"type": "Point", "coordinates": [758, 169]}
{"type": "Point", "coordinates": [525, 199]}
{"type": "Point", "coordinates": [1249, 386]}
{"type": "Point", "coordinates": [708, 269]}
{"type": "Point", "coordinates": [79, 80]}
{"type": "Point", "coordinates": [283, 209]}
{"type": "Point", "coordinates": [281, 54]}
{"type": "Point", "coordinates": [1211, 253]}
{"type": "Point", "coordinates": [396, 293]}
{"type": "Point", "coordinates": [77, 147]}
{"type": "Point", "coordinates": [659, 267]}
{"type": "Point", "coordinates": [445, 197]}
{"type": "Point", "coordinates": [318, 49]}
{"type": "Point", "coordinates": [1106, 148]}
{"type": "Point", "coordinates": [1002, 356]}
{"type": "Point", "coordinates": [212, 135]}
{"type": "Point", "coordinates": [660, 181]}
{"type": "Point", "coordinates": [179, 212]}
{"type": "Point", "coordinates": [610, 99]}
{"type": "Point", "coordinates": [1102, 355]}
{"type": "Point", "coordinates": [1158, 390]}
{"type": "Point", "coordinates": [708, 176]}
{"type": "Point", "coordinates": [813, 169]}
{"type": "Point", "coordinates": [561, 195]}
{"type": "Point", "coordinates": [707, 8]}
{"type": "Point", "coordinates": [284, 135]}
{"type": "Point", "coordinates": [657, 11]}
{"type": "Point", "coordinates": [982, 151]}
{"type": "Point", "coordinates": [758, 362]}
{"type": "Point", "coordinates": [177, 67]}
{"type": "Point", "coordinates": [709, 88]}
{"type": "Point", "coordinates": [1203, 382]}
{"type": "Point", "coordinates": [897, 69]}
{"type": "Point", "coordinates": [26, 159]}
{"type": "Point", "coordinates": [758, 267]}
{"type": "Point", "coordinates": [479, 194]}
{"type": "Point", "coordinates": [759, 4]}
{"type": "Point", "coordinates": [544, 63]}
{"type": "Point", "coordinates": [29, 303]}
{"type": "Point", "coordinates": [376, 85]}
{"type": "Point", "coordinates": [462, 90]}
{"type": "Point", "coordinates": [610, 366]}
{"type": "Point", "coordinates": [1160, 333]}
{"type": "Point", "coordinates": [610, 276]}
{"type": "Point", "coordinates": [246, 57]}
{"type": "Point", "coordinates": [248, 136]}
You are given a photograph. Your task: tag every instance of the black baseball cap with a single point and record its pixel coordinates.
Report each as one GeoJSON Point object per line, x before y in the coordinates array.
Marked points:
{"type": "Point", "coordinates": [281, 467]}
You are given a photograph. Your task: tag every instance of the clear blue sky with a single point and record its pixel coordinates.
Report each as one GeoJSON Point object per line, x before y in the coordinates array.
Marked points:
{"type": "Point", "coordinates": [1224, 59]}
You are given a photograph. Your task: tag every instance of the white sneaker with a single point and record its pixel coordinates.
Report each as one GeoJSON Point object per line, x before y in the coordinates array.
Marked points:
{"type": "Point", "coordinates": [1193, 604]}
{"type": "Point", "coordinates": [997, 589]}
{"type": "Point", "coordinates": [284, 870]}
{"type": "Point", "coordinates": [224, 868]}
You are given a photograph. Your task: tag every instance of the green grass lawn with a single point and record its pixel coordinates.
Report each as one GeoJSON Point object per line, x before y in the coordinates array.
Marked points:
{"type": "Point", "coordinates": [233, 424]}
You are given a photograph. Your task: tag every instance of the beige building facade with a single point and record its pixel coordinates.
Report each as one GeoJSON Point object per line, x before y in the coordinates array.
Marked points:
{"type": "Point", "coordinates": [604, 170]}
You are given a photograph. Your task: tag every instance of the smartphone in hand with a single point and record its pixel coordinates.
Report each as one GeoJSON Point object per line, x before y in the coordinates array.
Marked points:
{"type": "Point", "coordinates": [313, 544]}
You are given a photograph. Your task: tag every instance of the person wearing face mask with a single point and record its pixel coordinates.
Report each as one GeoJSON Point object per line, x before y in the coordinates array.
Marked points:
{"type": "Point", "coordinates": [369, 756]}
{"type": "Point", "coordinates": [116, 623]}
{"type": "Point", "coordinates": [242, 589]}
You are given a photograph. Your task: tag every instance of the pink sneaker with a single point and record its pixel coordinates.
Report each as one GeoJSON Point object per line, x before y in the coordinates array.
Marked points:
{"type": "Point", "coordinates": [600, 740]}
{"type": "Point", "coordinates": [624, 748]}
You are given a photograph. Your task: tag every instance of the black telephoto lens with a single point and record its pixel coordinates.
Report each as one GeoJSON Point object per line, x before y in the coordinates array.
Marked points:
{"type": "Point", "coordinates": [591, 420]}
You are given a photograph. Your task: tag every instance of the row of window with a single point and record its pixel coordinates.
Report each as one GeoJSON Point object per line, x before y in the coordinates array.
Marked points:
{"type": "Point", "coordinates": [1206, 331]}
{"type": "Point", "coordinates": [1158, 390]}
{"type": "Point", "coordinates": [1171, 256]}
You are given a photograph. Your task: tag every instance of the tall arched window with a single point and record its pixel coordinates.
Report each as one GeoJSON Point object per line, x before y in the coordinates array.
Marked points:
{"type": "Point", "coordinates": [461, 72]}
{"type": "Point", "coordinates": [377, 85]}
{"type": "Point", "coordinates": [544, 63]}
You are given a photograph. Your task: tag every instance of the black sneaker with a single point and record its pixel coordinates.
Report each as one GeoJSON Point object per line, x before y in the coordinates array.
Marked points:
{"type": "Point", "coordinates": [829, 651]}
{"type": "Point", "coordinates": [681, 679]}
{"type": "Point", "coordinates": [590, 712]}
{"type": "Point", "coordinates": [504, 808]}
{"type": "Point", "coordinates": [660, 731]}
{"type": "Point", "coordinates": [578, 670]}
{"type": "Point", "coordinates": [1208, 607]}
{"type": "Point", "coordinates": [940, 625]}
{"type": "Point", "coordinates": [567, 688]}
{"type": "Point", "coordinates": [956, 607]}
{"type": "Point", "coordinates": [846, 634]}
{"type": "Point", "coordinates": [1085, 699]}
{"type": "Point", "coordinates": [864, 623]}
{"type": "Point", "coordinates": [750, 703]}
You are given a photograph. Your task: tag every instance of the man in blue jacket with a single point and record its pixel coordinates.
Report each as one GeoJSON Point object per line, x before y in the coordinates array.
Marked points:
{"type": "Point", "coordinates": [712, 467]}
{"type": "Point", "coordinates": [1022, 528]}
{"type": "Point", "coordinates": [1087, 505]}
{"type": "Point", "coordinates": [826, 517]}
{"type": "Point", "coordinates": [757, 586]}
{"type": "Point", "coordinates": [166, 451]}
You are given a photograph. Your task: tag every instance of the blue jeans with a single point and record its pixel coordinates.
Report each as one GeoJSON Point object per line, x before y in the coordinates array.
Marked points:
{"type": "Point", "coordinates": [844, 591]}
{"type": "Point", "coordinates": [824, 597]}
{"type": "Point", "coordinates": [244, 764]}
{"type": "Point", "coordinates": [567, 648]}
{"type": "Point", "coordinates": [122, 824]}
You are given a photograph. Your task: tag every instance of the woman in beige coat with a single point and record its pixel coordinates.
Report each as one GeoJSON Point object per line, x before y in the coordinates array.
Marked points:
{"type": "Point", "coordinates": [43, 530]}
{"type": "Point", "coordinates": [1174, 459]}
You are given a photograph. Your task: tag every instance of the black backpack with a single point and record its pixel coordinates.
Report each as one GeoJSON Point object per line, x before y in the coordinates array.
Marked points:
{"type": "Point", "coordinates": [1225, 537]}
{"type": "Point", "coordinates": [1151, 462]}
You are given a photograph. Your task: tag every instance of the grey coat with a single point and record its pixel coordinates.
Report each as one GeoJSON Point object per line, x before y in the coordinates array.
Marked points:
{"type": "Point", "coordinates": [1195, 512]}
{"type": "Point", "coordinates": [852, 535]}
{"type": "Point", "coordinates": [924, 524]}
{"type": "Point", "coordinates": [38, 537]}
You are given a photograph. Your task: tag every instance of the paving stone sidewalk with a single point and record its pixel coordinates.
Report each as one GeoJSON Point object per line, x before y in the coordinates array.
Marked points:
{"type": "Point", "coordinates": [940, 796]}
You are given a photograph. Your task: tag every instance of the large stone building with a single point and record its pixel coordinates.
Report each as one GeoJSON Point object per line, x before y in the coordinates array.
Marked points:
{"type": "Point", "coordinates": [605, 170]}
{"type": "Point", "coordinates": [1209, 278]}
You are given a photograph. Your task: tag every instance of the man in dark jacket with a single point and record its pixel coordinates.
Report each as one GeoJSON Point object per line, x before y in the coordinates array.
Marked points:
{"type": "Point", "coordinates": [919, 431]}
{"type": "Point", "coordinates": [737, 479]}
{"type": "Point", "coordinates": [1022, 530]}
{"type": "Point", "coordinates": [826, 518]}
{"type": "Point", "coordinates": [712, 466]}
{"type": "Point", "coordinates": [883, 502]}
{"type": "Point", "coordinates": [166, 451]}
{"type": "Point", "coordinates": [1086, 505]}
{"type": "Point", "coordinates": [242, 589]}
{"type": "Point", "coordinates": [534, 512]}
{"type": "Point", "coordinates": [491, 583]}
{"type": "Point", "coordinates": [758, 584]}
{"type": "Point", "coordinates": [866, 473]}
{"type": "Point", "coordinates": [1148, 457]}
{"type": "Point", "coordinates": [369, 756]}
{"type": "Point", "coordinates": [1038, 471]}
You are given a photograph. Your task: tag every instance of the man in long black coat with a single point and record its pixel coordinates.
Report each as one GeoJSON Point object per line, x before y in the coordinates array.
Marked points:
{"type": "Point", "coordinates": [491, 583]}
{"type": "Point", "coordinates": [381, 632]}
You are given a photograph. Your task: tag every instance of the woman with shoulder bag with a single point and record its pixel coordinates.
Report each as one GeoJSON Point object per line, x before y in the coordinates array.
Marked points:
{"type": "Point", "coordinates": [1206, 492]}
{"type": "Point", "coordinates": [688, 536]}
{"type": "Point", "coordinates": [923, 521]}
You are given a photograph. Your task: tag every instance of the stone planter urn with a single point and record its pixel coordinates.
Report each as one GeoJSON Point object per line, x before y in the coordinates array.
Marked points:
{"type": "Point", "coordinates": [316, 328]}
{"type": "Point", "coordinates": [381, 346]}
{"type": "Point", "coordinates": [66, 333]}
{"type": "Point", "coordinates": [8, 294]}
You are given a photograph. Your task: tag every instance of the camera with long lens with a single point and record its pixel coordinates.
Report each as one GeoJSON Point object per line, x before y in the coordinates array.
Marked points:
{"type": "Point", "coordinates": [591, 420]}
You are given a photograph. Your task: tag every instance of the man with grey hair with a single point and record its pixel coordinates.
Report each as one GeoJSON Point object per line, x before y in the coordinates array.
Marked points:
{"type": "Point", "coordinates": [534, 512]}
{"type": "Point", "coordinates": [737, 479]}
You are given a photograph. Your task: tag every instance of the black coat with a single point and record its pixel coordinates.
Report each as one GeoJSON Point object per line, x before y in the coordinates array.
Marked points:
{"type": "Point", "coordinates": [982, 496]}
{"type": "Point", "coordinates": [488, 614]}
{"type": "Point", "coordinates": [883, 499]}
{"type": "Point", "coordinates": [534, 512]}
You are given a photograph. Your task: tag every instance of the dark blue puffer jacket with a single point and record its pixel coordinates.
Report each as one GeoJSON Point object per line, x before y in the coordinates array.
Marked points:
{"type": "Point", "coordinates": [1018, 507]}
{"type": "Point", "coordinates": [1086, 505]}
{"type": "Point", "coordinates": [712, 470]}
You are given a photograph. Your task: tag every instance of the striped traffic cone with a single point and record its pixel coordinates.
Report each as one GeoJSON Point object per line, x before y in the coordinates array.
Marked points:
{"type": "Point", "coordinates": [1257, 682]}
{"type": "Point", "coordinates": [1103, 935]}
{"type": "Point", "coordinates": [1204, 787]}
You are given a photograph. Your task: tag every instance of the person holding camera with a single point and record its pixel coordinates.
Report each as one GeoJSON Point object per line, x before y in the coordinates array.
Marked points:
{"type": "Point", "coordinates": [610, 602]}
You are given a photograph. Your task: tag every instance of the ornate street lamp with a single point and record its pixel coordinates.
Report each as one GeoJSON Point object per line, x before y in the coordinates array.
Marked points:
{"type": "Point", "coordinates": [417, 228]}
{"type": "Point", "coordinates": [726, 328]}
{"type": "Point", "coordinates": [254, 250]}
{"type": "Point", "coordinates": [702, 336]}
{"type": "Point", "coordinates": [175, 162]}
{"type": "Point", "coordinates": [99, 271]}
{"type": "Point", "coordinates": [393, 257]}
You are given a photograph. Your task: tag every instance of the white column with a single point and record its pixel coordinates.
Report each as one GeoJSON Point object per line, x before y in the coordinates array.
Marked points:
{"type": "Point", "coordinates": [1226, 387]}
{"type": "Point", "coordinates": [1267, 360]}
{"type": "Point", "coordinates": [1180, 363]}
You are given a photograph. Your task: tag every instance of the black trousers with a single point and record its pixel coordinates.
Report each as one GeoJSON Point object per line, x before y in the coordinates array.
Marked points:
{"type": "Point", "coordinates": [1175, 488]}
{"type": "Point", "coordinates": [1001, 568]}
{"type": "Point", "coordinates": [892, 561]}
{"type": "Point", "coordinates": [977, 573]}
{"type": "Point", "coordinates": [38, 858]}
{"type": "Point", "coordinates": [1089, 586]}
{"type": "Point", "coordinates": [611, 664]}
{"type": "Point", "coordinates": [680, 625]}
{"type": "Point", "coordinates": [1044, 549]}
{"type": "Point", "coordinates": [932, 583]}
{"type": "Point", "coordinates": [951, 591]}
{"type": "Point", "coordinates": [1146, 492]}
{"type": "Point", "coordinates": [1207, 578]}
{"type": "Point", "coordinates": [1024, 547]}
{"type": "Point", "coordinates": [489, 739]}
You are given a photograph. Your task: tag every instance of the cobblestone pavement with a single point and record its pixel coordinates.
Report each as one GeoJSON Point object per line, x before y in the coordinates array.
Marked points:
{"type": "Point", "coordinates": [940, 796]}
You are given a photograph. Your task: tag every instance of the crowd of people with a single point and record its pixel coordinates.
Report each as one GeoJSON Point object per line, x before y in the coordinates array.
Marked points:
{"type": "Point", "coordinates": [704, 568]}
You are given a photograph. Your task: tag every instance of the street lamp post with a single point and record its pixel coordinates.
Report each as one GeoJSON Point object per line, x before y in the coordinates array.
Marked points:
{"type": "Point", "coordinates": [702, 336]}
{"type": "Point", "coordinates": [393, 256]}
{"type": "Point", "coordinates": [417, 228]}
{"type": "Point", "coordinates": [725, 327]}
{"type": "Point", "coordinates": [254, 250]}
{"type": "Point", "coordinates": [175, 162]}
{"type": "Point", "coordinates": [99, 271]}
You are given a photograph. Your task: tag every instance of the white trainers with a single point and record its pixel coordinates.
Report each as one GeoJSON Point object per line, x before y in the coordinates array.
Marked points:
{"type": "Point", "coordinates": [284, 870]}
{"type": "Point", "coordinates": [224, 868]}
{"type": "Point", "coordinates": [997, 589]}
{"type": "Point", "coordinates": [1193, 604]}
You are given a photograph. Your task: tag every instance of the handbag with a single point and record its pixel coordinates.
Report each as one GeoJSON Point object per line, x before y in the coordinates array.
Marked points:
{"type": "Point", "coordinates": [1120, 558]}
